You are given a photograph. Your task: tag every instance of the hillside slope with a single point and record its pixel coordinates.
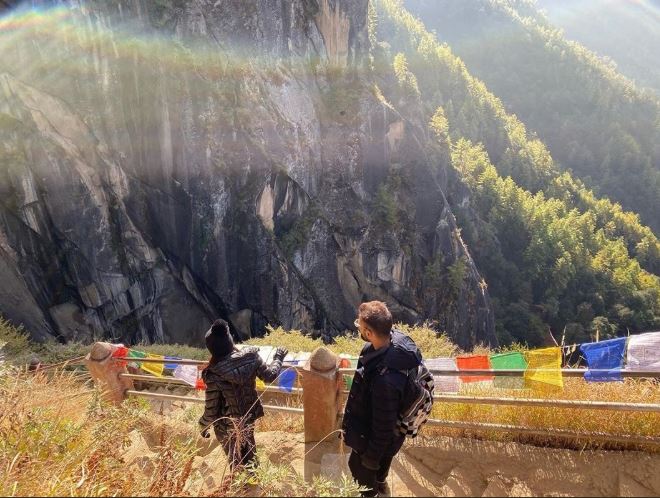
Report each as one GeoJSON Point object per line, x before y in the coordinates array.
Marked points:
{"type": "Point", "coordinates": [595, 122]}
{"type": "Point", "coordinates": [553, 254]}
{"type": "Point", "coordinates": [625, 32]}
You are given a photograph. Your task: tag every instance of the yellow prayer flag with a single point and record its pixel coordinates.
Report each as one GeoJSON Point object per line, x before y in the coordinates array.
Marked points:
{"type": "Point", "coordinates": [260, 385]}
{"type": "Point", "coordinates": [544, 369]}
{"type": "Point", "coordinates": [154, 368]}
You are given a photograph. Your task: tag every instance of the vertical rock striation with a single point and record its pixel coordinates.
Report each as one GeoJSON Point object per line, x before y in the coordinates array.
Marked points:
{"type": "Point", "coordinates": [163, 166]}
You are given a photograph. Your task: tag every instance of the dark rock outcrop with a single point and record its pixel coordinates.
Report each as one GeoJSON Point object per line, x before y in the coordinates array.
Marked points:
{"type": "Point", "coordinates": [239, 164]}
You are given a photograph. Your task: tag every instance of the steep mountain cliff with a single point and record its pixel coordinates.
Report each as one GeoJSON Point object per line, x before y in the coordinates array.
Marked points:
{"type": "Point", "coordinates": [165, 163]}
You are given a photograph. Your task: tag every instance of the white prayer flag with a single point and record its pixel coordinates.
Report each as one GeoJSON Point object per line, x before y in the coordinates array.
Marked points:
{"type": "Point", "coordinates": [266, 353]}
{"type": "Point", "coordinates": [289, 358]}
{"type": "Point", "coordinates": [644, 352]}
{"type": "Point", "coordinates": [186, 373]}
{"type": "Point", "coordinates": [444, 383]}
{"type": "Point", "coordinates": [302, 357]}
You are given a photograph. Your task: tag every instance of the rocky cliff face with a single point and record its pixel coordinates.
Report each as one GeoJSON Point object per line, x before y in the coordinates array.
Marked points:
{"type": "Point", "coordinates": [163, 166]}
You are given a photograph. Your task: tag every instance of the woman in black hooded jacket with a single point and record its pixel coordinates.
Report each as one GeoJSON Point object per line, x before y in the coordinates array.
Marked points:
{"type": "Point", "coordinates": [232, 404]}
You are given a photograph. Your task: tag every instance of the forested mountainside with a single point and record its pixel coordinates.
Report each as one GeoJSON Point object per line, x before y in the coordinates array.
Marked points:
{"type": "Point", "coordinates": [594, 122]}
{"type": "Point", "coordinates": [552, 252]}
{"type": "Point", "coordinates": [624, 32]}
{"type": "Point", "coordinates": [166, 163]}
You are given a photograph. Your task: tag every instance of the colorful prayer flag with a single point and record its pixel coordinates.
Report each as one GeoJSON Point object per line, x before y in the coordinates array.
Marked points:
{"type": "Point", "coordinates": [475, 362]}
{"type": "Point", "coordinates": [604, 355]}
{"type": "Point", "coordinates": [348, 378]}
{"type": "Point", "coordinates": [544, 369]}
{"type": "Point", "coordinates": [348, 381]}
{"type": "Point", "coordinates": [171, 366]}
{"type": "Point", "coordinates": [287, 379]}
{"type": "Point", "coordinates": [444, 383]}
{"type": "Point", "coordinates": [187, 373]}
{"type": "Point", "coordinates": [154, 367]}
{"type": "Point", "coordinates": [289, 358]}
{"type": "Point", "coordinates": [345, 360]}
{"type": "Point", "coordinates": [513, 360]}
{"type": "Point", "coordinates": [260, 385]}
{"type": "Point", "coordinates": [302, 358]}
{"type": "Point", "coordinates": [200, 385]}
{"type": "Point", "coordinates": [120, 352]}
{"type": "Point", "coordinates": [132, 353]}
{"type": "Point", "coordinates": [644, 352]}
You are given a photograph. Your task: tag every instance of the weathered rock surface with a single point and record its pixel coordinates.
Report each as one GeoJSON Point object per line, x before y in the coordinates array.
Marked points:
{"type": "Point", "coordinates": [239, 164]}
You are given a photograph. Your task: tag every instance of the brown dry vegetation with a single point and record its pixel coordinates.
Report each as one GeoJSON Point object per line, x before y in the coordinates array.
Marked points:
{"type": "Point", "coordinates": [57, 438]}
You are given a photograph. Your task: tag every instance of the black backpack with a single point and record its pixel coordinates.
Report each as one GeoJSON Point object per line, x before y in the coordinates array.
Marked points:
{"type": "Point", "coordinates": [417, 401]}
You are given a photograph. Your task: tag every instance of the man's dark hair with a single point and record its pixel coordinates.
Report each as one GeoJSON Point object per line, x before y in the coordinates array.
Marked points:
{"type": "Point", "coordinates": [377, 317]}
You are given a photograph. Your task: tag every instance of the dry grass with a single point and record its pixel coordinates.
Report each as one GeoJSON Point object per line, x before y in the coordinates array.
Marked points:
{"type": "Point", "coordinates": [56, 438]}
{"type": "Point", "coordinates": [432, 343]}
{"type": "Point", "coordinates": [579, 420]}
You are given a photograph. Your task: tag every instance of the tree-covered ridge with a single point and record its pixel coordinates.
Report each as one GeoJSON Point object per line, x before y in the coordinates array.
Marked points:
{"type": "Point", "coordinates": [625, 32]}
{"type": "Point", "coordinates": [553, 253]}
{"type": "Point", "coordinates": [476, 114]}
{"type": "Point", "coordinates": [473, 111]}
{"type": "Point", "coordinates": [550, 262]}
{"type": "Point", "coordinates": [595, 122]}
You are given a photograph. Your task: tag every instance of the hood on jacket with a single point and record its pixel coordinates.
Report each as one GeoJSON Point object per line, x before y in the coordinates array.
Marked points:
{"type": "Point", "coordinates": [402, 354]}
{"type": "Point", "coordinates": [237, 367]}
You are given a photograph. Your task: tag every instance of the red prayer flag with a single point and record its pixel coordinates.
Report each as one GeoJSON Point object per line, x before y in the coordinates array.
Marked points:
{"type": "Point", "coordinates": [120, 352]}
{"type": "Point", "coordinates": [200, 386]}
{"type": "Point", "coordinates": [477, 362]}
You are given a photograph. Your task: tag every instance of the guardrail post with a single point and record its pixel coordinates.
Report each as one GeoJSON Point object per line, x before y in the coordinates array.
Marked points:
{"type": "Point", "coordinates": [320, 394]}
{"type": "Point", "coordinates": [321, 400]}
{"type": "Point", "coordinates": [105, 372]}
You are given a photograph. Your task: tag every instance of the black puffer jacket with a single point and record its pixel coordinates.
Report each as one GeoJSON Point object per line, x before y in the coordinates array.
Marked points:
{"type": "Point", "coordinates": [231, 392]}
{"type": "Point", "coordinates": [375, 399]}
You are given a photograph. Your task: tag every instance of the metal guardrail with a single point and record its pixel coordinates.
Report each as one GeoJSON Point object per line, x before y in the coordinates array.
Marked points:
{"type": "Point", "coordinates": [551, 403]}
{"type": "Point", "coordinates": [594, 436]}
{"type": "Point", "coordinates": [566, 372]}
{"type": "Point", "coordinates": [179, 382]}
{"type": "Point", "coordinates": [457, 399]}
{"type": "Point", "coordinates": [189, 399]}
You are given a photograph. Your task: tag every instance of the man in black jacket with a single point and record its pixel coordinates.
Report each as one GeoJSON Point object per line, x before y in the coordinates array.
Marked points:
{"type": "Point", "coordinates": [232, 404]}
{"type": "Point", "coordinates": [374, 403]}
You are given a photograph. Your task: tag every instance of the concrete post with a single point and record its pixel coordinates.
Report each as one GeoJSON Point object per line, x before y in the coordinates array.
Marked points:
{"type": "Point", "coordinates": [105, 371]}
{"type": "Point", "coordinates": [321, 391]}
{"type": "Point", "coordinates": [321, 400]}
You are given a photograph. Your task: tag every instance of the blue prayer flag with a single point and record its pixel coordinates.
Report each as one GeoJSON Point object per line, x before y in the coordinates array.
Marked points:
{"type": "Point", "coordinates": [606, 356]}
{"type": "Point", "coordinates": [287, 379]}
{"type": "Point", "coordinates": [172, 366]}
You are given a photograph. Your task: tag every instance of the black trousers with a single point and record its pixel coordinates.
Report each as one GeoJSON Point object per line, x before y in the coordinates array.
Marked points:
{"type": "Point", "coordinates": [368, 478]}
{"type": "Point", "coordinates": [239, 446]}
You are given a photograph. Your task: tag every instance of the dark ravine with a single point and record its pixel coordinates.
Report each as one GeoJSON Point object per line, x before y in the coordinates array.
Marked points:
{"type": "Point", "coordinates": [147, 193]}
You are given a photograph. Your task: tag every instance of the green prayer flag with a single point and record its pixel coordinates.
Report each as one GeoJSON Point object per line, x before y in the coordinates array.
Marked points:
{"type": "Point", "coordinates": [132, 353]}
{"type": "Point", "coordinates": [348, 380]}
{"type": "Point", "coordinates": [508, 361]}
